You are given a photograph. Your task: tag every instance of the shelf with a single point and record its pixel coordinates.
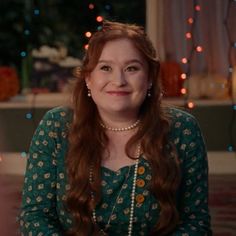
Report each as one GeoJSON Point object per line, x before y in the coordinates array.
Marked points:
{"type": "Point", "coordinates": [49, 100]}
{"type": "Point", "coordinates": [43, 100]}
{"type": "Point", "coordinates": [219, 163]}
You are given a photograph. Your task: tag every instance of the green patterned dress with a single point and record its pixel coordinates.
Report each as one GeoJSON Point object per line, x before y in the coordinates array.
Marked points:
{"type": "Point", "coordinates": [42, 211]}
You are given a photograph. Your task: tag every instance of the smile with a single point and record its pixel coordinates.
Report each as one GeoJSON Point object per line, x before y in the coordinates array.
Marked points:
{"type": "Point", "coordinates": [118, 93]}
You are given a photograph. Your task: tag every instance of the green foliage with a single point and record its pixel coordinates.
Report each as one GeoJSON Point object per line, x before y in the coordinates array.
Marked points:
{"type": "Point", "coordinates": [28, 24]}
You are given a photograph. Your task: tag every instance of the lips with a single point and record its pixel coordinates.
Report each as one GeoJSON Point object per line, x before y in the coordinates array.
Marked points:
{"type": "Point", "coordinates": [118, 93]}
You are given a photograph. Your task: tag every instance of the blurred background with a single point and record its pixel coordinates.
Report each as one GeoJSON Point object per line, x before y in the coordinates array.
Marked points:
{"type": "Point", "coordinates": [41, 42]}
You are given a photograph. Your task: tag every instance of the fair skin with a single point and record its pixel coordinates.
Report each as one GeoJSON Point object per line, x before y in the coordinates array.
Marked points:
{"type": "Point", "coordinates": [119, 85]}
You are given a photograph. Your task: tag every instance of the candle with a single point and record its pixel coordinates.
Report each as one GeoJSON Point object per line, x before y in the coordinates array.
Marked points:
{"type": "Point", "coordinates": [234, 84]}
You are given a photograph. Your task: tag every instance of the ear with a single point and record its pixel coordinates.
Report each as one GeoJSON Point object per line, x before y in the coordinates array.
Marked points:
{"type": "Point", "coordinates": [87, 80]}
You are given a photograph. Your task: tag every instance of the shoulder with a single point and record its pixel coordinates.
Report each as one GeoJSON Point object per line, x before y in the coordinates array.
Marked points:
{"type": "Point", "coordinates": [184, 127]}
{"type": "Point", "coordinates": [186, 135]}
{"type": "Point", "coordinates": [59, 113]}
{"type": "Point", "coordinates": [57, 119]}
{"type": "Point", "coordinates": [179, 118]}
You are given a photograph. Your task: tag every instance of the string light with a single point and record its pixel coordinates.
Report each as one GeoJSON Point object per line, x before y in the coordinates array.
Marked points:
{"type": "Point", "coordinates": [197, 8]}
{"type": "Point", "coordinates": [108, 7]}
{"type": "Point", "coordinates": [86, 46]}
{"type": "Point", "coordinates": [91, 6]}
{"type": "Point", "coordinates": [28, 116]}
{"type": "Point", "coordinates": [184, 60]}
{"type": "Point", "coordinates": [99, 27]}
{"type": "Point", "coordinates": [27, 32]}
{"type": "Point", "coordinates": [23, 53]}
{"type": "Point", "coordinates": [99, 19]}
{"type": "Point", "coordinates": [183, 91]}
{"type": "Point", "coordinates": [230, 148]}
{"type": "Point", "coordinates": [23, 154]}
{"type": "Point", "coordinates": [199, 49]}
{"type": "Point", "coordinates": [232, 142]}
{"type": "Point", "coordinates": [190, 20]}
{"type": "Point", "coordinates": [36, 12]}
{"type": "Point", "coordinates": [188, 35]}
{"type": "Point", "coordinates": [191, 105]}
{"type": "Point", "coordinates": [183, 76]}
{"type": "Point", "coordinates": [88, 34]}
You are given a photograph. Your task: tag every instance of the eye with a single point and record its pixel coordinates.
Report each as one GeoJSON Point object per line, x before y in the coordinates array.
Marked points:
{"type": "Point", "coordinates": [132, 68]}
{"type": "Point", "coordinates": [105, 68]}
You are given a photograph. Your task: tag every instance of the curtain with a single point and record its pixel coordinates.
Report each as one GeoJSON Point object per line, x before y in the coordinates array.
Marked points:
{"type": "Point", "coordinates": [214, 29]}
{"type": "Point", "coordinates": [209, 31]}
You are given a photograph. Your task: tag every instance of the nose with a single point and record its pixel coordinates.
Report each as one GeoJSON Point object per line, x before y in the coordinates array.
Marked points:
{"type": "Point", "coordinates": [119, 78]}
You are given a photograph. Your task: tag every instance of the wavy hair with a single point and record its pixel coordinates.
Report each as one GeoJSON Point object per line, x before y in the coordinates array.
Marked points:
{"type": "Point", "coordinates": [87, 140]}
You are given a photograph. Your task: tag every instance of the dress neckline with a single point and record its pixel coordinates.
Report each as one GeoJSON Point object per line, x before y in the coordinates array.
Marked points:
{"type": "Point", "coordinates": [121, 169]}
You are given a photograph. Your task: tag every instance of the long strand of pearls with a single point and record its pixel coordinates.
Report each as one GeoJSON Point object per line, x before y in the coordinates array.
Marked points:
{"type": "Point", "coordinates": [131, 217]}
{"type": "Point", "coordinates": [133, 191]}
{"type": "Point", "coordinates": [120, 129]}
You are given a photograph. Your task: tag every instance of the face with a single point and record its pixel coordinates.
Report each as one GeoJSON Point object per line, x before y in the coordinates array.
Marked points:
{"type": "Point", "coordinates": [119, 82]}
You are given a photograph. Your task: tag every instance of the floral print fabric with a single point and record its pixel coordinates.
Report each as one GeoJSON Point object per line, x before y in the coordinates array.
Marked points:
{"type": "Point", "coordinates": [45, 183]}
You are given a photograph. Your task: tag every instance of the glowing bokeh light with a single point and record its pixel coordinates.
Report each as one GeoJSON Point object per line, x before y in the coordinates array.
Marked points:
{"type": "Point", "coordinates": [183, 76]}
{"type": "Point", "coordinates": [23, 54]}
{"type": "Point", "coordinates": [26, 32]}
{"type": "Point", "coordinates": [191, 105]}
{"type": "Point", "coordinates": [108, 7]}
{"type": "Point", "coordinates": [28, 116]}
{"type": "Point", "coordinates": [36, 12]}
{"type": "Point", "coordinates": [230, 148]}
{"type": "Point", "coordinates": [91, 6]}
{"type": "Point", "coordinates": [99, 27]}
{"type": "Point", "coordinates": [88, 34]}
{"type": "Point", "coordinates": [23, 154]}
{"type": "Point", "coordinates": [99, 19]}
{"type": "Point", "coordinates": [184, 60]}
{"type": "Point", "coordinates": [197, 8]}
{"type": "Point", "coordinates": [199, 49]}
{"type": "Point", "coordinates": [183, 91]}
{"type": "Point", "coordinates": [188, 35]}
{"type": "Point", "coordinates": [190, 20]}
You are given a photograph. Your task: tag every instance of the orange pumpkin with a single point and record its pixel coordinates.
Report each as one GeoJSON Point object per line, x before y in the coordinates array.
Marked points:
{"type": "Point", "coordinates": [171, 78]}
{"type": "Point", "coordinates": [9, 83]}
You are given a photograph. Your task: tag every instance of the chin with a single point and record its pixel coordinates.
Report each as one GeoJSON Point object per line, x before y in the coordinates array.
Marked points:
{"type": "Point", "coordinates": [124, 110]}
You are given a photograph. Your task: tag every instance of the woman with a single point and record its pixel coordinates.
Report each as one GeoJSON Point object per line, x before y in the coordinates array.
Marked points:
{"type": "Point", "coordinates": [118, 162]}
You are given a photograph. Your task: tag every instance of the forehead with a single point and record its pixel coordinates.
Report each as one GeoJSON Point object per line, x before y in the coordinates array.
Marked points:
{"type": "Point", "coordinates": [120, 48]}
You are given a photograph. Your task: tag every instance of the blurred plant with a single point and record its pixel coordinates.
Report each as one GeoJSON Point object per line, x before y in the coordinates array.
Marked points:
{"type": "Point", "coordinates": [29, 24]}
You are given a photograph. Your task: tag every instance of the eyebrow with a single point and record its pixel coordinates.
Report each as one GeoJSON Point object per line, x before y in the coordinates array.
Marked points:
{"type": "Point", "coordinates": [127, 62]}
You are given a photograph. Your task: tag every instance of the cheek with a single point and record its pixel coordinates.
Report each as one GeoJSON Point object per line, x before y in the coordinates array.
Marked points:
{"type": "Point", "coordinates": [142, 84]}
{"type": "Point", "coordinates": [97, 81]}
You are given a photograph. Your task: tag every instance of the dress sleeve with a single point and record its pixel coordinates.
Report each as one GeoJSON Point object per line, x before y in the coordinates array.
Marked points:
{"type": "Point", "coordinates": [193, 193]}
{"type": "Point", "coordinates": [38, 211]}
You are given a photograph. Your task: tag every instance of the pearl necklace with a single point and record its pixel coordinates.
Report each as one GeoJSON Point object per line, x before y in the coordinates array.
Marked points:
{"type": "Point", "coordinates": [121, 129]}
{"type": "Point", "coordinates": [131, 217]}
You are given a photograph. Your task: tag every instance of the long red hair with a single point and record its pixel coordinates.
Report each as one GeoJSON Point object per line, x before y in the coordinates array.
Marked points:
{"type": "Point", "coordinates": [87, 140]}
